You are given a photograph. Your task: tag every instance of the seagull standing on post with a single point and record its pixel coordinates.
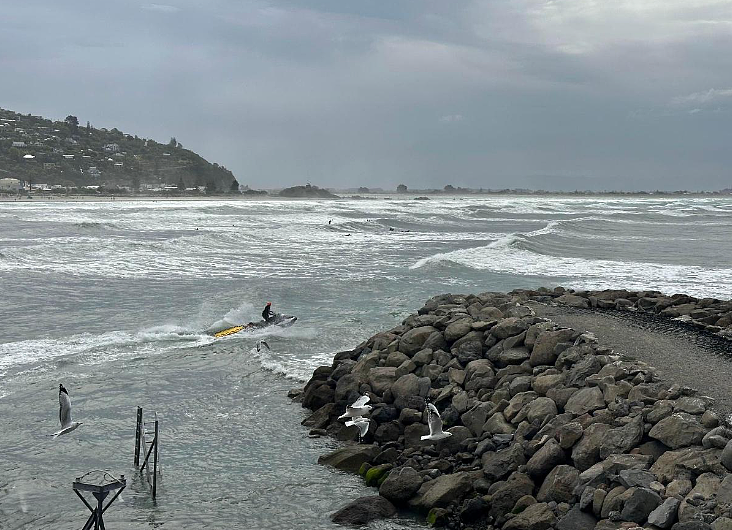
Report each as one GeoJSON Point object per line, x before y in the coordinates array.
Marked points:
{"type": "Point", "coordinates": [64, 413]}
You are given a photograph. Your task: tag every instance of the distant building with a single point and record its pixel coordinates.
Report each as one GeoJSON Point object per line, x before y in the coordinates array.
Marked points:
{"type": "Point", "coordinates": [111, 148]}
{"type": "Point", "coordinates": [94, 172]}
{"type": "Point", "coordinates": [18, 144]}
{"type": "Point", "coordinates": [69, 157]}
{"type": "Point", "coordinates": [49, 165]}
{"type": "Point", "coordinates": [9, 184]}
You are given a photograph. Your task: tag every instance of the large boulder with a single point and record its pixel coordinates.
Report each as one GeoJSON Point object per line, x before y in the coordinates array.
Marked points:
{"type": "Point", "coordinates": [544, 351]}
{"type": "Point", "coordinates": [573, 300]}
{"type": "Point", "coordinates": [413, 340]}
{"type": "Point", "coordinates": [505, 496]}
{"type": "Point", "coordinates": [541, 410]}
{"type": "Point", "coordinates": [401, 484]}
{"type": "Point", "coordinates": [381, 378]}
{"type": "Point", "coordinates": [317, 394]}
{"type": "Point", "coordinates": [475, 418]}
{"type": "Point", "coordinates": [622, 439]}
{"type": "Point", "coordinates": [535, 517]}
{"type": "Point", "coordinates": [544, 460]}
{"type": "Point", "coordinates": [445, 489]}
{"type": "Point", "coordinates": [664, 515]}
{"type": "Point", "coordinates": [585, 400]}
{"type": "Point", "coordinates": [458, 329]}
{"type": "Point", "coordinates": [509, 327]}
{"type": "Point", "coordinates": [693, 461]}
{"type": "Point", "coordinates": [498, 464]}
{"type": "Point", "coordinates": [363, 510]}
{"type": "Point", "coordinates": [576, 519]}
{"type": "Point", "coordinates": [349, 458]}
{"type": "Point", "coordinates": [587, 451]}
{"type": "Point", "coordinates": [559, 485]}
{"type": "Point", "coordinates": [639, 504]}
{"type": "Point", "coordinates": [678, 430]}
{"type": "Point", "coordinates": [406, 385]}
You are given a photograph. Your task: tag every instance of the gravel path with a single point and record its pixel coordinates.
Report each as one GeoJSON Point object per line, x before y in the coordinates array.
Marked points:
{"type": "Point", "coordinates": [682, 355]}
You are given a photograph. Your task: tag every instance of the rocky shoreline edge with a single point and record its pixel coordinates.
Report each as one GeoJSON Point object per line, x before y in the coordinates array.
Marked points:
{"type": "Point", "coordinates": [549, 428]}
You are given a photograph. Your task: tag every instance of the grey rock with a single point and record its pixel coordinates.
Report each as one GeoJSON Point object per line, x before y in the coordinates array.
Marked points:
{"type": "Point", "coordinates": [497, 424]}
{"type": "Point", "coordinates": [585, 400]}
{"type": "Point", "coordinates": [576, 519]}
{"type": "Point", "coordinates": [544, 351]}
{"type": "Point", "coordinates": [587, 451]}
{"type": "Point", "coordinates": [445, 489]}
{"type": "Point", "coordinates": [545, 459]}
{"type": "Point", "coordinates": [540, 410]}
{"type": "Point", "coordinates": [692, 525]}
{"type": "Point", "coordinates": [350, 457]}
{"type": "Point", "coordinates": [475, 418]}
{"type": "Point", "coordinates": [665, 514]}
{"type": "Point", "coordinates": [535, 517]}
{"type": "Point", "coordinates": [692, 405]}
{"type": "Point", "coordinates": [414, 339]}
{"type": "Point", "coordinates": [508, 493]}
{"type": "Point", "coordinates": [569, 434]}
{"type": "Point", "coordinates": [639, 505]}
{"type": "Point", "coordinates": [678, 430]}
{"type": "Point", "coordinates": [622, 439]}
{"type": "Point", "coordinates": [631, 478]}
{"type": "Point", "coordinates": [498, 465]}
{"type": "Point", "coordinates": [509, 327]}
{"type": "Point", "coordinates": [401, 484]}
{"type": "Point", "coordinates": [363, 510]}
{"type": "Point", "coordinates": [543, 383]}
{"type": "Point", "coordinates": [381, 378]}
{"type": "Point", "coordinates": [458, 329]}
{"type": "Point", "coordinates": [726, 457]}
{"type": "Point", "coordinates": [559, 485]}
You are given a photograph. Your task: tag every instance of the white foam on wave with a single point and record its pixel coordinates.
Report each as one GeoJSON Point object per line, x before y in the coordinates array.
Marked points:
{"type": "Point", "coordinates": [503, 256]}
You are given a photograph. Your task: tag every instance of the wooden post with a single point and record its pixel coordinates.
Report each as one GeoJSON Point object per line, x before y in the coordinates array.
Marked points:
{"type": "Point", "coordinates": [138, 435]}
{"type": "Point", "coordinates": [155, 463]}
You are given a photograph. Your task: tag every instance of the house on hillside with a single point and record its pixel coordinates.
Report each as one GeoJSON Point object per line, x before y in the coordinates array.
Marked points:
{"type": "Point", "coordinates": [111, 148]}
{"type": "Point", "coordinates": [19, 144]}
{"type": "Point", "coordinates": [49, 165]}
{"type": "Point", "coordinates": [94, 172]}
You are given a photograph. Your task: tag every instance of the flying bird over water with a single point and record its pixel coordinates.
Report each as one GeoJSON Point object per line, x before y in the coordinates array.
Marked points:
{"type": "Point", "coordinates": [64, 413]}
{"type": "Point", "coordinates": [357, 408]}
{"type": "Point", "coordinates": [435, 424]}
{"type": "Point", "coordinates": [261, 343]}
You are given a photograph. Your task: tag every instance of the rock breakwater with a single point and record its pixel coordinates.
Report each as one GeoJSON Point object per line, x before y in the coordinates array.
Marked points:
{"type": "Point", "coordinates": [549, 428]}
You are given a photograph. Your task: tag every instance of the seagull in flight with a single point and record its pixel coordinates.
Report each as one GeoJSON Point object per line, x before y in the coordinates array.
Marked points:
{"type": "Point", "coordinates": [261, 343]}
{"type": "Point", "coordinates": [362, 424]}
{"type": "Point", "coordinates": [435, 424]}
{"type": "Point", "coordinates": [64, 413]}
{"type": "Point", "coordinates": [357, 409]}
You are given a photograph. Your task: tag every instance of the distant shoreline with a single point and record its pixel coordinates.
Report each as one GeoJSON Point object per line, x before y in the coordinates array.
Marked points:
{"type": "Point", "coordinates": [384, 196]}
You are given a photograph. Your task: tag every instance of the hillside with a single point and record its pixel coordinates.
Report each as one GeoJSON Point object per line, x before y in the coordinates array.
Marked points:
{"type": "Point", "coordinates": [64, 153]}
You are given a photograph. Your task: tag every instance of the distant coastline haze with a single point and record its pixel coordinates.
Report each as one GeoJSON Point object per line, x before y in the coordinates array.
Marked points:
{"type": "Point", "coordinates": [564, 95]}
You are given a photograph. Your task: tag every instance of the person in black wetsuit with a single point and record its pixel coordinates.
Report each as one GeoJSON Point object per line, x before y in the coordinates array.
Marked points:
{"type": "Point", "coordinates": [267, 314]}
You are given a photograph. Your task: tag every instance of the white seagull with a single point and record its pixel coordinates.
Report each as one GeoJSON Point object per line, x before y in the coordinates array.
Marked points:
{"type": "Point", "coordinates": [362, 424]}
{"type": "Point", "coordinates": [357, 409]}
{"type": "Point", "coordinates": [64, 413]}
{"type": "Point", "coordinates": [435, 424]}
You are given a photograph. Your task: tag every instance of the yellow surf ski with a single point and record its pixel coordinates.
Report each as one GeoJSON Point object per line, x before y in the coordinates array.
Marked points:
{"type": "Point", "coordinates": [228, 331]}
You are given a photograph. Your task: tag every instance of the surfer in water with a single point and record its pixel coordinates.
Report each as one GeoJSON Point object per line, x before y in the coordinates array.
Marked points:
{"type": "Point", "coordinates": [267, 313]}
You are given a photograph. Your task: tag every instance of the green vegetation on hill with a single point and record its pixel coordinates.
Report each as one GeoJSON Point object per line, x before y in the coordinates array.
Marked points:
{"type": "Point", "coordinates": [68, 154]}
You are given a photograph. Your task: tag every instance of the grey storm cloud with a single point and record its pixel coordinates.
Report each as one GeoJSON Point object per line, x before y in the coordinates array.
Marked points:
{"type": "Point", "coordinates": [557, 94]}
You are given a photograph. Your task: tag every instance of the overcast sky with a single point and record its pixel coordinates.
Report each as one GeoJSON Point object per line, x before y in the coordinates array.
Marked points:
{"type": "Point", "coordinates": [552, 94]}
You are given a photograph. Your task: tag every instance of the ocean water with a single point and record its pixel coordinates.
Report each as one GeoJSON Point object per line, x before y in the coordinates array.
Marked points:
{"type": "Point", "coordinates": [112, 298]}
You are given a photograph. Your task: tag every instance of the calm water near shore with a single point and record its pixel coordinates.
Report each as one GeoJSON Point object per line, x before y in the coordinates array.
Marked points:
{"type": "Point", "coordinates": [111, 299]}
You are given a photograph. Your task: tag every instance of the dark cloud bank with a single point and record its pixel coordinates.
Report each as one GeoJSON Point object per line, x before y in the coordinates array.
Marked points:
{"type": "Point", "coordinates": [562, 94]}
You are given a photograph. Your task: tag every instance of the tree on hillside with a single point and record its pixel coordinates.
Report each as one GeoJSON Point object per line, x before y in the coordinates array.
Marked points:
{"type": "Point", "coordinates": [449, 188]}
{"type": "Point", "coordinates": [73, 123]}
{"type": "Point", "coordinates": [181, 184]}
{"type": "Point", "coordinates": [401, 188]}
{"type": "Point", "coordinates": [173, 142]}
{"type": "Point", "coordinates": [136, 182]}
{"type": "Point", "coordinates": [88, 127]}
{"type": "Point", "coordinates": [234, 186]}
{"type": "Point", "coordinates": [211, 186]}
